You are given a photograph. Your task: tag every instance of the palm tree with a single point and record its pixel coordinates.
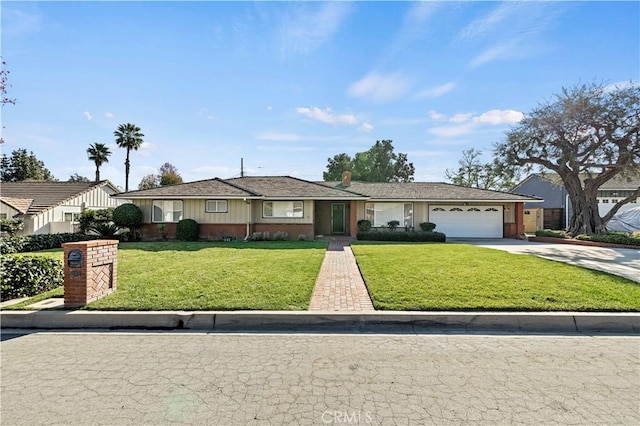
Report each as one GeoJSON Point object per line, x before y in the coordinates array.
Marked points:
{"type": "Point", "coordinates": [98, 153]}
{"type": "Point", "coordinates": [128, 136]}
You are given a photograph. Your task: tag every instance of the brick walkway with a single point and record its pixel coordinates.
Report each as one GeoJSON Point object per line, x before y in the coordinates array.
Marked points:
{"type": "Point", "coordinates": [339, 286]}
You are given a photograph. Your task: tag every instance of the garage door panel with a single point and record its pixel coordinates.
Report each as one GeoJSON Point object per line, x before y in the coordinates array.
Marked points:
{"type": "Point", "coordinates": [468, 221]}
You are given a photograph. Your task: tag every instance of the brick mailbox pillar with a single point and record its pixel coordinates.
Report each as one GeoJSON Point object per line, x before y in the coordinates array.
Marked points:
{"type": "Point", "coordinates": [90, 271]}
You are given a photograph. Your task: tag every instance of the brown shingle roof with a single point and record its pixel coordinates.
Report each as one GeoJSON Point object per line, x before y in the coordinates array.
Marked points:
{"type": "Point", "coordinates": [290, 187]}
{"type": "Point", "coordinates": [213, 188]}
{"type": "Point", "coordinates": [46, 194]}
{"type": "Point", "coordinates": [20, 204]}
{"type": "Point", "coordinates": [428, 191]}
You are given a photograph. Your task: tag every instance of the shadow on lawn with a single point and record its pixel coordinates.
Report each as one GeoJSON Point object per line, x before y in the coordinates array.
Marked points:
{"type": "Point", "coordinates": [201, 245]}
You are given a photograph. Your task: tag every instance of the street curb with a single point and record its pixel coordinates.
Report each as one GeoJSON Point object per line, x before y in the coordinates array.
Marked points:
{"type": "Point", "coordinates": [238, 321]}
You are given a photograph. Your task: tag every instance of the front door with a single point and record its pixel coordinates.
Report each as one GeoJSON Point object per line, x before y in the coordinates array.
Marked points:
{"type": "Point", "coordinates": [337, 218]}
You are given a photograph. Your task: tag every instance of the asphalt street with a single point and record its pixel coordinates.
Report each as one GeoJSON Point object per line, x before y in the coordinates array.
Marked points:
{"type": "Point", "coordinates": [149, 378]}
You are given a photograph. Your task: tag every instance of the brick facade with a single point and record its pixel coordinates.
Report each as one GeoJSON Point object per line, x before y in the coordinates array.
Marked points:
{"type": "Point", "coordinates": [91, 275]}
{"type": "Point", "coordinates": [515, 229]}
{"type": "Point", "coordinates": [216, 232]}
{"type": "Point", "coordinates": [293, 229]}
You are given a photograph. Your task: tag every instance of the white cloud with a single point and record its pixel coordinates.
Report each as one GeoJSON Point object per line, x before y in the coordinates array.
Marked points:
{"type": "Point", "coordinates": [488, 23]}
{"type": "Point", "coordinates": [434, 92]}
{"type": "Point", "coordinates": [279, 137]}
{"type": "Point", "coordinates": [18, 20]}
{"type": "Point", "coordinates": [145, 149]}
{"type": "Point", "coordinates": [466, 123]}
{"type": "Point", "coordinates": [269, 107]}
{"type": "Point", "coordinates": [109, 115]}
{"type": "Point", "coordinates": [87, 115]}
{"type": "Point", "coordinates": [499, 51]}
{"type": "Point", "coordinates": [497, 116]}
{"type": "Point", "coordinates": [366, 127]}
{"type": "Point", "coordinates": [308, 26]}
{"type": "Point", "coordinates": [379, 88]}
{"type": "Point", "coordinates": [211, 117]}
{"type": "Point", "coordinates": [414, 26]}
{"type": "Point", "coordinates": [620, 85]}
{"type": "Point", "coordinates": [327, 116]}
{"type": "Point", "coordinates": [436, 116]}
{"type": "Point", "coordinates": [460, 117]}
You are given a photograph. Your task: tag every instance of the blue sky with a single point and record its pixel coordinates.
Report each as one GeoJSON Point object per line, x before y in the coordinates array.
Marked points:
{"type": "Point", "coordinates": [287, 85]}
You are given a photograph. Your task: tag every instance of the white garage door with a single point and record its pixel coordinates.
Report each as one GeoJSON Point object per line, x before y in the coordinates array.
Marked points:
{"type": "Point", "coordinates": [467, 221]}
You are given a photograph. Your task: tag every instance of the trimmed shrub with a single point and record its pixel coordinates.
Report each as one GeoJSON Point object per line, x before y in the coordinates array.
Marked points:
{"type": "Point", "coordinates": [28, 276]}
{"type": "Point", "coordinates": [551, 233]}
{"type": "Point", "coordinates": [127, 216]}
{"type": "Point", "coordinates": [187, 230]}
{"type": "Point", "coordinates": [427, 226]}
{"type": "Point", "coordinates": [393, 224]}
{"type": "Point", "coordinates": [19, 244]}
{"type": "Point", "coordinates": [364, 225]}
{"type": "Point", "coordinates": [261, 236]}
{"type": "Point", "coordinates": [612, 238]}
{"type": "Point", "coordinates": [280, 236]}
{"type": "Point", "coordinates": [413, 237]}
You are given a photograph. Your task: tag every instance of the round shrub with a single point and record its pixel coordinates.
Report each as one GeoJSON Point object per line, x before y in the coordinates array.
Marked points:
{"type": "Point", "coordinates": [364, 225]}
{"type": "Point", "coordinates": [127, 215]}
{"type": "Point", "coordinates": [187, 230]}
{"type": "Point", "coordinates": [427, 226]}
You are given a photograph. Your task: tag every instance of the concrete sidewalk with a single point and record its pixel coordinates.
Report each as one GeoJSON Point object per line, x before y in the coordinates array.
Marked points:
{"type": "Point", "coordinates": [307, 321]}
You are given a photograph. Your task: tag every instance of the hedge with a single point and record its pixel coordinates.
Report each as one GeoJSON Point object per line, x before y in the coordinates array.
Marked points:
{"type": "Point", "coordinates": [414, 237]}
{"type": "Point", "coordinates": [28, 276]}
{"type": "Point", "coordinates": [612, 238]}
{"type": "Point", "coordinates": [20, 244]}
{"type": "Point", "coordinates": [187, 230]}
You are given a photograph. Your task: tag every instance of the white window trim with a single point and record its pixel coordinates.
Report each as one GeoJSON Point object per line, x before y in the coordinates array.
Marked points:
{"type": "Point", "coordinates": [153, 210]}
{"type": "Point", "coordinates": [399, 219]}
{"type": "Point", "coordinates": [293, 209]}
{"type": "Point", "coordinates": [217, 202]}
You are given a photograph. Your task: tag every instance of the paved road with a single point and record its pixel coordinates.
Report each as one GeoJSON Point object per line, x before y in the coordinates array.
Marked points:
{"type": "Point", "coordinates": [617, 261]}
{"type": "Point", "coordinates": [265, 379]}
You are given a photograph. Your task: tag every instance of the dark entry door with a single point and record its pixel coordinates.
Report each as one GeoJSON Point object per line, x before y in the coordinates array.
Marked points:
{"type": "Point", "coordinates": [337, 218]}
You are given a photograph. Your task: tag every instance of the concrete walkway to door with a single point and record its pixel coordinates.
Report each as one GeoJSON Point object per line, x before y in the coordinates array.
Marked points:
{"type": "Point", "coordinates": [339, 286]}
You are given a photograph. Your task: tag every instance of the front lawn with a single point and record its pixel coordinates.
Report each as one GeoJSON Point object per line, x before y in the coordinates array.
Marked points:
{"type": "Point", "coordinates": [464, 277]}
{"type": "Point", "coordinates": [212, 276]}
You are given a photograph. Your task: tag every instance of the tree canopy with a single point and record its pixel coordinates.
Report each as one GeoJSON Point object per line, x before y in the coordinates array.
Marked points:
{"type": "Point", "coordinates": [588, 134]}
{"type": "Point", "coordinates": [473, 173]}
{"type": "Point", "coordinates": [22, 166]}
{"type": "Point", "coordinates": [98, 153]}
{"type": "Point", "coordinates": [378, 164]}
{"type": "Point", "coordinates": [128, 136]}
{"type": "Point", "coordinates": [167, 175]}
{"type": "Point", "coordinates": [78, 178]}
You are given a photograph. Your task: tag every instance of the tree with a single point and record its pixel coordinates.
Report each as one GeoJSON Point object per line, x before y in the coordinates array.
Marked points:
{"type": "Point", "coordinates": [4, 83]}
{"type": "Point", "coordinates": [379, 164]}
{"type": "Point", "coordinates": [22, 166]}
{"type": "Point", "coordinates": [588, 134]}
{"type": "Point", "coordinates": [168, 175]}
{"type": "Point", "coordinates": [77, 178]}
{"type": "Point", "coordinates": [98, 153]}
{"type": "Point", "coordinates": [474, 174]}
{"type": "Point", "coordinates": [128, 136]}
{"type": "Point", "coordinates": [149, 182]}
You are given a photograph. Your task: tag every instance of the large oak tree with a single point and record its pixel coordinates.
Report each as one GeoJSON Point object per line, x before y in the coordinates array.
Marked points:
{"type": "Point", "coordinates": [588, 134]}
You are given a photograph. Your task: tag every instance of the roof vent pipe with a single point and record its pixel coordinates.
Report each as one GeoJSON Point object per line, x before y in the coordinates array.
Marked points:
{"type": "Point", "coordinates": [346, 178]}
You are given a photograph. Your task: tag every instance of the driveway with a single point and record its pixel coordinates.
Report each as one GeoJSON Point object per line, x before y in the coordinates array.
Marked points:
{"type": "Point", "coordinates": [617, 261]}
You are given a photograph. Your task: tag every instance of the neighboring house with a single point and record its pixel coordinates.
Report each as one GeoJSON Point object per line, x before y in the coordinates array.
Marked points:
{"type": "Point", "coordinates": [239, 207]}
{"type": "Point", "coordinates": [53, 207]}
{"type": "Point", "coordinates": [557, 206]}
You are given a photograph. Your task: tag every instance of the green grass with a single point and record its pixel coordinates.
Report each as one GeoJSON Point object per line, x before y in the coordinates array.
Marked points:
{"type": "Point", "coordinates": [211, 276]}
{"type": "Point", "coordinates": [463, 277]}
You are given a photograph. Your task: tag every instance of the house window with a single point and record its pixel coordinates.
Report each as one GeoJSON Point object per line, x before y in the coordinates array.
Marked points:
{"type": "Point", "coordinates": [3, 216]}
{"type": "Point", "coordinates": [605, 201]}
{"type": "Point", "coordinates": [438, 209]}
{"type": "Point", "coordinates": [216, 206]}
{"type": "Point", "coordinates": [455, 209]}
{"type": "Point", "coordinates": [491, 209]}
{"type": "Point", "coordinates": [167, 210]}
{"type": "Point", "coordinates": [380, 214]}
{"type": "Point", "coordinates": [72, 217]}
{"type": "Point", "coordinates": [473, 209]}
{"type": "Point", "coordinates": [282, 209]}
{"type": "Point", "coordinates": [614, 201]}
